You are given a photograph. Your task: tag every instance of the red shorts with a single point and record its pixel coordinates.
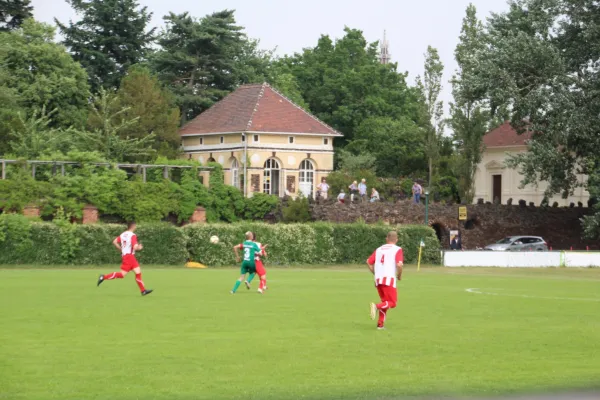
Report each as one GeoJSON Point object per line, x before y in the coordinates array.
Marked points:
{"type": "Point", "coordinates": [260, 268]}
{"type": "Point", "coordinates": [129, 262]}
{"type": "Point", "coordinates": [389, 294]}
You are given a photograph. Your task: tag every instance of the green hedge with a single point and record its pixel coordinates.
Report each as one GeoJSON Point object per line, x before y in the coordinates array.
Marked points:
{"type": "Point", "coordinates": [302, 244]}
{"type": "Point", "coordinates": [25, 242]}
{"type": "Point", "coordinates": [37, 243]}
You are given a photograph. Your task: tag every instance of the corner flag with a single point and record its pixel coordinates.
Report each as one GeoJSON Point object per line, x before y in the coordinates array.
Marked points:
{"type": "Point", "coordinates": [421, 245]}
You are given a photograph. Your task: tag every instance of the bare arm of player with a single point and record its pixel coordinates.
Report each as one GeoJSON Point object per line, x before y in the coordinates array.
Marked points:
{"type": "Point", "coordinates": [371, 262]}
{"type": "Point", "coordinates": [264, 250]}
{"type": "Point", "coordinates": [237, 254]}
{"type": "Point", "coordinates": [117, 244]}
{"type": "Point", "coordinates": [399, 270]}
{"type": "Point", "coordinates": [138, 246]}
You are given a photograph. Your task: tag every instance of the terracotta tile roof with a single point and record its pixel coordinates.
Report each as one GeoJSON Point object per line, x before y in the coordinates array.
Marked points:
{"type": "Point", "coordinates": [505, 136]}
{"type": "Point", "coordinates": [256, 108]}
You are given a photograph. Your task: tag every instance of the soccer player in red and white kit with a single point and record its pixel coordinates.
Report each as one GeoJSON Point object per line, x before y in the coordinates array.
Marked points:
{"type": "Point", "coordinates": [127, 244]}
{"type": "Point", "coordinates": [260, 268]}
{"type": "Point", "coordinates": [386, 264]}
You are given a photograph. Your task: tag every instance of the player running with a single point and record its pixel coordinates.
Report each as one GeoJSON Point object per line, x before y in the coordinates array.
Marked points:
{"type": "Point", "coordinates": [127, 244]}
{"type": "Point", "coordinates": [386, 264]}
{"type": "Point", "coordinates": [249, 263]}
{"type": "Point", "coordinates": [260, 268]}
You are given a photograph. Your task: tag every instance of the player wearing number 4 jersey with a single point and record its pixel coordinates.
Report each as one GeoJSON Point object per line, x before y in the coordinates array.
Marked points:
{"type": "Point", "coordinates": [249, 263]}
{"type": "Point", "coordinates": [127, 244]}
{"type": "Point", "coordinates": [386, 264]}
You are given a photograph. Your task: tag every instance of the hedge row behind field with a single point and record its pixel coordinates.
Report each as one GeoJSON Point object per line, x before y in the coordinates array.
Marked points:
{"type": "Point", "coordinates": [309, 244]}
{"type": "Point", "coordinates": [39, 243]}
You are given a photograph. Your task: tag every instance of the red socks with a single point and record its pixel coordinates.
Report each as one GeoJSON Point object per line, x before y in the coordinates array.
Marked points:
{"type": "Point", "coordinates": [114, 275]}
{"type": "Point", "coordinates": [138, 279]}
{"type": "Point", "coordinates": [263, 284]}
{"type": "Point", "coordinates": [382, 315]}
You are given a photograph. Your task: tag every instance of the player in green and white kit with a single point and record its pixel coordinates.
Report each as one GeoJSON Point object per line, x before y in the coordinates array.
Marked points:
{"type": "Point", "coordinates": [248, 264]}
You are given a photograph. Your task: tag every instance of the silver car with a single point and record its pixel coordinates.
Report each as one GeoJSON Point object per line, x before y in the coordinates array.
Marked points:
{"type": "Point", "coordinates": [519, 243]}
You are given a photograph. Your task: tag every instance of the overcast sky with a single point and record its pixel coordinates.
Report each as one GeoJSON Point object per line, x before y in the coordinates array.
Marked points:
{"type": "Point", "coordinates": [290, 26]}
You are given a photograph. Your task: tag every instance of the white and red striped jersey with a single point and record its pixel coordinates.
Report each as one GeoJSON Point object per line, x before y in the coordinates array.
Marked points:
{"type": "Point", "coordinates": [385, 260]}
{"type": "Point", "coordinates": [127, 240]}
{"type": "Point", "coordinates": [258, 255]}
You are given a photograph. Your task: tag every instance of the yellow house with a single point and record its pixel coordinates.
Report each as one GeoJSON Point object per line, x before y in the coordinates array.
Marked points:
{"type": "Point", "coordinates": [258, 133]}
{"type": "Point", "coordinates": [494, 180]}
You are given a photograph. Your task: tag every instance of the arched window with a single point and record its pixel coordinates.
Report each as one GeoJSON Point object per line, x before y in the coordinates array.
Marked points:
{"type": "Point", "coordinates": [235, 173]}
{"type": "Point", "coordinates": [271, 177]}
{"type": "Point", "coordinates": [307, 177]}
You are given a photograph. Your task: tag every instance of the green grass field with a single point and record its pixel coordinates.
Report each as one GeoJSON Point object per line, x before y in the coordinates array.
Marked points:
{"type": "Point", "coordinates": [309, 337]}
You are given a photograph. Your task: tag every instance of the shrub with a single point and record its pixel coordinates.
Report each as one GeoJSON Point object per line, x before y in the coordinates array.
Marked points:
{"type": "Point", "coordinates": [24, 242]}
{"type": "Point", "coordinates": [296, 210]}
{"type": "Point", "coordinates": [445, 188]}
{"type": "Point", "coordinates": [305, 244]}
{"type": "Point", "coordinates": [406, 185]}
{"type": "Point", "coordinates": [259, 205]}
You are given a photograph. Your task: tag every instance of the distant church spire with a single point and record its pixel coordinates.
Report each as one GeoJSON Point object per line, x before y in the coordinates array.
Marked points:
{"type": "Point", "coordinates": [385, 55]}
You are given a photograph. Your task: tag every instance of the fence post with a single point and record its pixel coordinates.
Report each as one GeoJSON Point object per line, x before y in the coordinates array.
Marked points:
{"type": "Point", "coordinates": [33, 170]}
{"type": "Point", "coordinates": [166, 173]}
{"type": "Point", "coordinates": [3, 169]}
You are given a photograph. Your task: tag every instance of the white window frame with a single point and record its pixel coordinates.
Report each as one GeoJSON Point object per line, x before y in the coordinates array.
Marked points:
{"type": "Point", "coordinates": [325, 141]}
{"type": "Point", "coordinates": [307, 175]}
{"type": "Point", "coordinates": [235, 173]}
{"type": "Point", "coordinates": [255, 139]}
{"type": "Point", "coordinates": [201, 141]}
{"type": "Point", "coordinates": [222, 140]}
{"type": "Point", "coordinates": [270, 165]}
{"type": "Point", "coordinates": [291, 140]}
{"type": "Point", "coordinates": [243, 138]}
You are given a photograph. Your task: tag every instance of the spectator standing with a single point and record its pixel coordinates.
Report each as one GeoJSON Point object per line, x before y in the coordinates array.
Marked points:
{"type": "Point", "coordinates": [416, 191]}
{"type": "Point", "coordinates": [323, 189]}
{"type": "Point", "coordinates": [353, 191]}
{"type": "Point", "coordinates": [374, 195]}
{"type": "Point", "coordinates": [342, 196]}
{"type": "Point", "coordinates": [362, 190]}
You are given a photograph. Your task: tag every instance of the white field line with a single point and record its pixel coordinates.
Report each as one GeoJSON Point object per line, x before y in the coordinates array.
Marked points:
{"type": "Point", "coordinates": [527, 296]}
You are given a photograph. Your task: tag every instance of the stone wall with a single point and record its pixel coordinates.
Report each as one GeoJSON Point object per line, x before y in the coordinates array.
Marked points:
{"type": "Point", "coordinates": [486, 223]}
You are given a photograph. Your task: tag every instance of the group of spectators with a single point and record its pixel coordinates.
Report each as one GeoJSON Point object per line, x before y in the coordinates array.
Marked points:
{"type": "Point", "coordinates": [358, 192]}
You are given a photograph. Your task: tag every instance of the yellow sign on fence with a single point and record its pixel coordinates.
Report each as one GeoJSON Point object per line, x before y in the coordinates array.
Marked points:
{"type": "Point", "coordinates": [462, 213]}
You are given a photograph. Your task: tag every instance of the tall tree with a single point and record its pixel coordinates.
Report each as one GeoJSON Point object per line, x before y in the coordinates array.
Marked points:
{"type": "Point", "coordinates": [10, 114]}
{"type": "Point", "coordinates": [542, 63]}
{"type": "Point", "coordinates": [344, 83]}
{"type": "Point", "coordinates": [144, 99]}
{"type": "Point", "coordinates": [41, 73]}
{"type": "Point", "coordinates": [397, 145]}
{"type": "Point", "coordinates": [111, 36]}
{"type": "Point", "coordinates": [105, 135]}
{"type": "Point", "coordinates": [431, 87]}
{"type": "Point", "coordinates": [13, 13]}
{"type": "Point", "coordinates": [201, 60]}
{"type": "Point", "coordinates": [469, 113]}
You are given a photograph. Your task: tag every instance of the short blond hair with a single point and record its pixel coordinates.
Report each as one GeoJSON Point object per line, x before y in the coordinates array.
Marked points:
{"type": "Point", "coordinates": [392, 236]}
{"type": "Point", "coordinates": [249, 235]}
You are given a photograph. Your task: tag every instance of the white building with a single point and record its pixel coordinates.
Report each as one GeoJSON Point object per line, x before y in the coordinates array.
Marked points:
{"type": "Point", "coordinates": [494, 180]}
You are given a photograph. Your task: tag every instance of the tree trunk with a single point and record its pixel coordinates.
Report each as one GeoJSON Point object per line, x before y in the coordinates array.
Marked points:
{"type": "Point", "coordinates": [430, 172]}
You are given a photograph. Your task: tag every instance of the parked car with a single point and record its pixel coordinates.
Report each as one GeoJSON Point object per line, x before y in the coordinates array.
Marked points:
{"type": "Point", "coordinates": [519, 243]}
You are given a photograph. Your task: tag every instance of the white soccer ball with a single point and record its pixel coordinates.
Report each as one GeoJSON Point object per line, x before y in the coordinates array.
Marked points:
{"type": "Point", "coordinates": [214, 239]}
